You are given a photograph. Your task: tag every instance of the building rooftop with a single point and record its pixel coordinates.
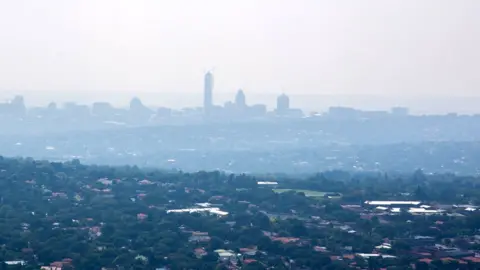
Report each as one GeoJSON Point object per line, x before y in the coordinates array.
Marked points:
{"type": "Point", "coordinates": [267, 183]}
{"type": "Point", "coordinates": [213, 210]}
{"type": "Point", "coordinates": [368, 255]}
{"type": "Point", "coordinates": [423, 210]}
{"type": "Point", "coordinates": [392, 202]}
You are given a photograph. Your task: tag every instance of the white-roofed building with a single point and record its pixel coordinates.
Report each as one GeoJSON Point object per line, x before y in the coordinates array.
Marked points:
{"type": "Point", "coordinates": [211, 210]}
{"type": "Point", "coordinates": [393, 203]}
{"type": "Point", "coordinates": [374, 255]}
{"type": "Point", "coordinates": [267, 183]}
{"type": "Point", "coordinates": [15, 262]}
{"type": "Point", "coordinates": [424, 211]}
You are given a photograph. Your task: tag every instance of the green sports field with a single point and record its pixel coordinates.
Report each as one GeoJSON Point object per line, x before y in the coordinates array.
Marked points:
{"type": "Point", "coordinates": [308, 193]}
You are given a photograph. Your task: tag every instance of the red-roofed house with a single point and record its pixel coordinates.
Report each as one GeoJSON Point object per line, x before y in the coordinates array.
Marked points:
{"type": "Point", "coordinates": [141, 216]}
{"type": "Point", "coordinates": [285, 240]}
{"type": "Point", "coordinates": [145, 182]}
{"type": "Point", "coordinates": [247, 261]}
{"type": "Point", "coordinates": [200, 252]}
{"type": "Point", "coordinates": [57, 264]}
{"type": "Point", "coordinates": [425, 260]}
{"type": "Point", "coordinates": [472, 259]}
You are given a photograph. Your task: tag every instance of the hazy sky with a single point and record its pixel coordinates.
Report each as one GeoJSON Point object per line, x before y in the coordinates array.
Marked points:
{"type": "Point", "coordinates": [394, 47]}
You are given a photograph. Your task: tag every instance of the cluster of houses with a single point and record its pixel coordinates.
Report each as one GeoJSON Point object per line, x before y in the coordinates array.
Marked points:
{"type": "Point", "coordinates": [416, 208]}
{"type": "Point", "coordinates": [424, 248]}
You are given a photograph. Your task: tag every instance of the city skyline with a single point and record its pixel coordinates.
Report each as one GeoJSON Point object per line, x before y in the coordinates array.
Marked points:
{"type": "Point", "coordinates": [212, 98]}
{"type": "Point", "coordinates": [309, 103]}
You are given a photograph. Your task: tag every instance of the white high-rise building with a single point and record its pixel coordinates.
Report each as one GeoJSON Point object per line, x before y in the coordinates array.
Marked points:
{"type": "Point", "coordinates": [208, 92]}
{"type": "Point", "coordinates": [283, 104]}
{"type": "Point", "coordinates": [240, 99]}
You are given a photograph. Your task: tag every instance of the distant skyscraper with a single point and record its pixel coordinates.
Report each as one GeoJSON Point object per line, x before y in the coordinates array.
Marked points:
{"type": "Point", "coordinates": [17, 106]}
{"type": "Point", "coordinates": [208, 92]}
{"type": "Point", "coordinates": [283, 104]}
{"type": "Point", "coordinates": [138, 111]}
{"type": "Point", "coordinates": [240, 99]}
{"type": "Point", "coordinates": [136, 104]}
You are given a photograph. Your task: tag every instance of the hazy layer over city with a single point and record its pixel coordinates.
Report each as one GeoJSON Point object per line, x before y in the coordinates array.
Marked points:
{"type": "Point", "coordinates": [367, 54]}
{"type": "Point", "coordinates": [239, 134]}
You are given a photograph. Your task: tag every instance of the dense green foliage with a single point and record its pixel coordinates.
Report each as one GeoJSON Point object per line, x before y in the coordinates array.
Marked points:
{"type": "Point", "coordinates": [52, 211]}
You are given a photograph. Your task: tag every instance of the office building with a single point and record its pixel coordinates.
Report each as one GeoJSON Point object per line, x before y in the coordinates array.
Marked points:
{"type": "Point", "coordinates": [240, 99]}
{"type": "Point", "coordinates": [283, 104]}
{"type": "Point", "coordinates": [208, 92]}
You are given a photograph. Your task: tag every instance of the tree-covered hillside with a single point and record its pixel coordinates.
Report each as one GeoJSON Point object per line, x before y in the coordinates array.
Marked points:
{"type": "Point", "coordinates": [92, 217]}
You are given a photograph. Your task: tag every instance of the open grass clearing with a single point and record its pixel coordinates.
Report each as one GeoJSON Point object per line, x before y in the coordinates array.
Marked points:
{"type": "Point", "coordinates": [308, 193]}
